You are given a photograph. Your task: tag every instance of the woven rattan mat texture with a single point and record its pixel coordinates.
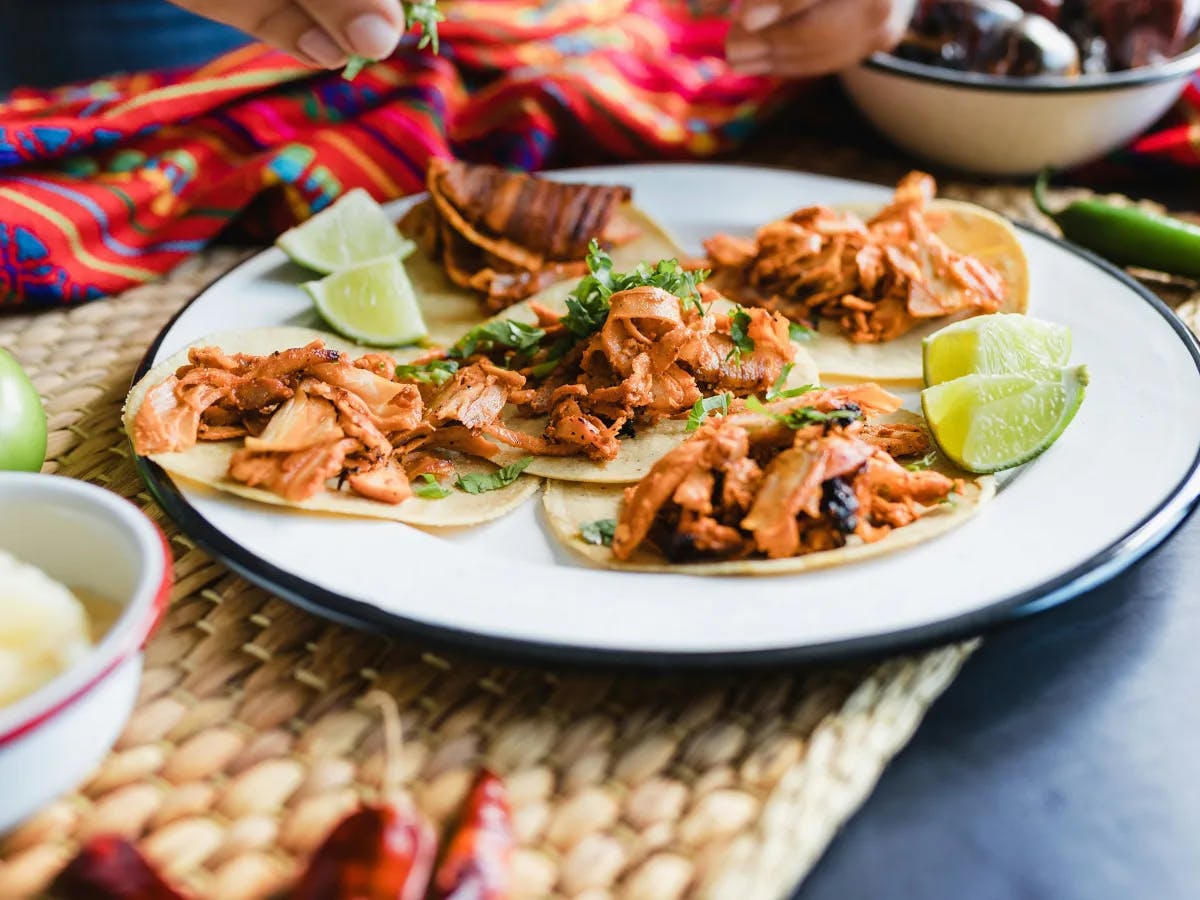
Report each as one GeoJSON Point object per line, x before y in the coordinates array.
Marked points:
{"type": "Point", "coordinates": [250, 739]}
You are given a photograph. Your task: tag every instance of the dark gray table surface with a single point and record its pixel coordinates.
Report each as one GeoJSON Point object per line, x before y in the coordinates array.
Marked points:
{"type": "Point", "coordinates": [1062, 762]}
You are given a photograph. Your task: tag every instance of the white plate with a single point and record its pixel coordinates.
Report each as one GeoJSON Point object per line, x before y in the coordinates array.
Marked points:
{"type": "Point", "coordinates": [1118, 481]}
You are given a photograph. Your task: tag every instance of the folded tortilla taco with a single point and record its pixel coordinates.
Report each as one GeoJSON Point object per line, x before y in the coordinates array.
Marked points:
{"type": "Point", "coordinates": [606, 372]}
{"type": "Point", "coordinates": [804, 483]}
{"type": "Point", "coordinates": [875, 282]}
{"type": "Point", "coordinates": [303, 419]}
{"type": "Point", "coordinates": [489, 238]}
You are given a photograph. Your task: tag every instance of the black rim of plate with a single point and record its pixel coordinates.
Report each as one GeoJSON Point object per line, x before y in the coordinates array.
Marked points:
{"type": "Point", "coordinates": [1136, 543]}
{"type": "Point", "coordinates": [1179, 67]}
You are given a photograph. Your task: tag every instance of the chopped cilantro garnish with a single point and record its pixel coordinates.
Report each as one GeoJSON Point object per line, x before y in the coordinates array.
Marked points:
{"type": "Point", "coordinates": [923, 463]}
{"type": "Point", "coordinates": [438, 371]}
{"type": "Point", "coordinates": [798, 332]}
{"type": "Point", "coordinates": [806, 415]}
{"type": "Point", "coordinates": [599, 532]}
{"type": "Point", "coordinates": [474, 483]}
{"type": "Point", "coordinates": [498, 333]}
{"type": "Point", "coordinates": [704, 406]}
{"type": "Point", "coordinates": [588, 304]}
{"type": "Point", "coordinates": [777, 391]}
{"type": "Point", "coordinates": [428, 488]}
{"type": "Point", "coordinates": [739, 331]}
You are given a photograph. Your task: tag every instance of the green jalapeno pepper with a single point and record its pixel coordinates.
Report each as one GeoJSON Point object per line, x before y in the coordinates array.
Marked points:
{"type": "Point", "coordinates": [1125, 235]}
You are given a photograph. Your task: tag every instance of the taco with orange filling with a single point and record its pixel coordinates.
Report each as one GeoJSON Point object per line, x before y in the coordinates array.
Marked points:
{"type": "Point", "coordinates": [294, 417]}
{"type": "Point", "coordinates": [875, 282]}
{"type": "Point", "coordinates": [612, 368]}
{"type": "Point", "coordinates": [822, 478]}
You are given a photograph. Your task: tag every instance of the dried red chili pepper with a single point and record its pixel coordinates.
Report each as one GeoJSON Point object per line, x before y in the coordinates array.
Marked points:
{"type": "Point", "coordinates": [111, 868]}
{"type": "Point", "coordinates": [383, 852]}
{"type": "Point", "coordinates": [377, 853]}
{"type": "Point", "coordinates": [479, 858]}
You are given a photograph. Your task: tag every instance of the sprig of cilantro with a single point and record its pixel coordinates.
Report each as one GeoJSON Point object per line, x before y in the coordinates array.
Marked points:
{"type": "Point", "coordinates": [599, 532]}
{"type": "Point", "coordinates": [474, 483]}
{"type": "Point", "coordinates": [705, 405]}
{"type": "Point", "coordinates": [416, 12]}
{"type": "Point", "coordinates": [436, 372]}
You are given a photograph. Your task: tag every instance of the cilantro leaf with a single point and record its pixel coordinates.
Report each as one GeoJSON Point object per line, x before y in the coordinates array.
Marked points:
{"type": "Point", "coordinates": [704, 406]}
{"type": "Point", "coordinates": [498, 333]}
{"type": "Point", "coordinates": [599, 532]}
{"type": "Point", "coordinates": [739, 331]}
{"type": "Point", "coordinates": [798, 332]}
{"type": "Point", "coordinates": [777, 391]}
{"type": "Point", "coordinates": [474, 483]}
{"type": "Point", "coordinates": [438, 372]}
{"type": "Point", "coordinates": [428, 488]}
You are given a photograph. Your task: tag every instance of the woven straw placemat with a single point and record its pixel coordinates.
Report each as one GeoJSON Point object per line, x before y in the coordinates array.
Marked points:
{"type": "Point", "coordinates": [250, 740]}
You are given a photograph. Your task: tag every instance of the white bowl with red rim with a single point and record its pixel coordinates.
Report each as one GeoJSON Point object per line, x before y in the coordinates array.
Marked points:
{"type": "Point", "coordinates": [91, 539]}
{"type": "Point", "coordinates": [1007, 126]}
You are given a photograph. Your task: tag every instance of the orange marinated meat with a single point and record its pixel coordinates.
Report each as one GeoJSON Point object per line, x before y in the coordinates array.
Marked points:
{"type": "Point", "coordinates": [653, 358]}
{"type": "Point", "coordinates": [876, 279]}
{"type": "Point", "coordinates": [782, 481]}
{"type": "Point", "coordinates": [311, 418]}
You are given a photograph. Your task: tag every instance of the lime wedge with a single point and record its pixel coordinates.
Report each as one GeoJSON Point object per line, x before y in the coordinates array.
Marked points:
{"type": "Point", "coordinates": [373, 303]}
{"type": "Point", "coordinates": [353, 230]}
{"type": "Point", "coordinates": [1000, 344]}
{"type": "Point", "coordinates": [986, 423]}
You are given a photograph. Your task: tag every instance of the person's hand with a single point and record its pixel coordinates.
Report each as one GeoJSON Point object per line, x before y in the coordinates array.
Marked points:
{"type": "Point", "coordinates": [321, 32]}
{"type": "Point", "coordinates": [799, 38]}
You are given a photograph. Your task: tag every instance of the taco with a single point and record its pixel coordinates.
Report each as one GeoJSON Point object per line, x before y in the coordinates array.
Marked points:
{"type": "Point", "coordinates": [875, 283]}
{"type": "Point", "coordinates": [614, 365]}
{"type": "Point", "coordinates": [489, 238]}
{"type": "Point", "coordinates": [804, 483]}
{"type": "Point", "coordinates": [299, 418]}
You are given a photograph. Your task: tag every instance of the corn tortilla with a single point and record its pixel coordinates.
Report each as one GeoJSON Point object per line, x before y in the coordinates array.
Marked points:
{"type": "Point", "coordinates": [968, 229]}
{"type": "Point", "coordinates": [569, 505]}
{"type": "Point", "coordinates": [207, 463]}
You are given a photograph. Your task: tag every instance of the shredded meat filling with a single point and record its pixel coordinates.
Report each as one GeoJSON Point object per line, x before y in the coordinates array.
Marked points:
{"type": "Point", "coordinates": [748, 485]}
{"type": "Point", "coordinates": [876, 279]}
{"type": "Point", "coordinates": [652, 359]}
{"type": "Point", "coordinates": [310, 418]}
